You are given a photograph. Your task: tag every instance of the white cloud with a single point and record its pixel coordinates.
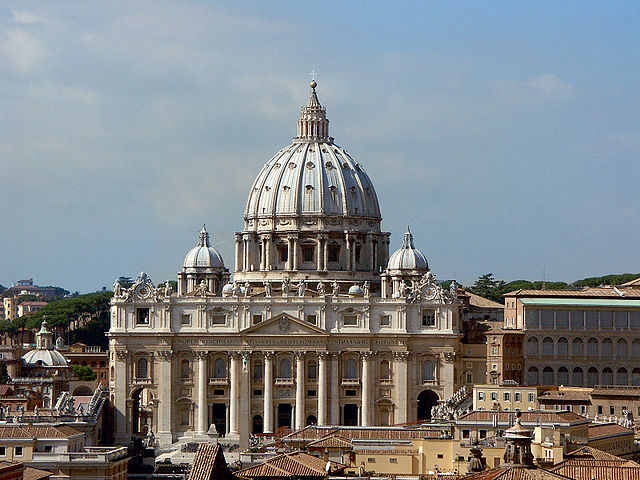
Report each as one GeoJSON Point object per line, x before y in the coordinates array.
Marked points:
{"type": "Point", "coordinates": [28, 17]}
{"type": "Point", "coordinates": [22, 50]}
{"type": "Point", "coordinates": [543, 87]}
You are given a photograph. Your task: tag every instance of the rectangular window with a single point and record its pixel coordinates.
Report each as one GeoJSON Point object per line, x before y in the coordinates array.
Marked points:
{"type": "Point", "coordinates": [532, 318]}
{"type": "Point", "coordinates": [311, 393]}
{"type": "Point", "coordinates": [506, 366]}
{"type": "Point", "coordinates": [591, 319]}
{"type": "Point", "coordinates": [312, 319]}
{"type": "Point", "coordinates": [257, 318]}
{"type": "Point", "coordinates": [218, 319]}
{"type": "Point", "coordinates": [480, 395]}
{"type": "Point", "coordinates": [257, 392]}
{"type": "Point", "coordinates": [576, 319]}
{"type": "Point", "coordinates": [257, 371]}
{"type": "Point", "coordinates": [371, 460]}
{"type": "Point", "coordinates": [48, 449]}
{"type": "Point", "coordinates": [350, 393]}
{"type": "Point", "coordinates": [600, 410]}
{"type": "Point", "coordinates": [562, 319]}
{"type": "Point", "coordinates": [532, 397]}
{"type": "Point", "coordinates": [17, 451]}
{"type": "Point", "coordinates": [440, 455]}
{"type": "Point", "coordinates": [393, 460]}
{"type": "Point", "coordinates": [466, 433]}
{"type": "Point", "coordinates": [469, 377]}
{"type": "Point", "coordinates": [185, 319]}
{"type": "Point", "coordinates": [350, 320]}
{"type": "Point", "coordinates": [546, 318]}
{"type": "Point", "coordinates": [517, 397]}
{"type": "Point", "coordinates": [494, 396]}
{"type": "Point", "coordinates": [358, 253]}
{"type": "Point", "coordinates": [620, 320]}
{"type": "Point", "coordinates": [3, 451]}
{"type": "Point", "coordinates": [307, 253]}
{"type": "Point", "coordinates": [283, 253]}
{"type": "Point", "coordinates": [612, 410]}
{"type": "Point", "coordinates": [142, 316]}
{"type": "Point", "coordinates": [606, 319]}
{"type": "Point", "coordinates": [583, 409]}
{"type": "Point", "coordinates": [428, 318]}
{"type": "Point", "coordinates": [494, 350]}
{"type": "Point", "coordinates": [507, 396]}
{"type": "Point", "coordinates": [218, 391]}
{"type": "Point", "coordinates": [385, 320]}
{"type": "Point", "coordinates": [334, 253]}
{"type": "Point", "coordinates": [483, 434]}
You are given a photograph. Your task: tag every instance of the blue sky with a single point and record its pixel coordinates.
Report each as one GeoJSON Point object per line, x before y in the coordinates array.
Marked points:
{"type": "Point", "coordinates": [506, 134]}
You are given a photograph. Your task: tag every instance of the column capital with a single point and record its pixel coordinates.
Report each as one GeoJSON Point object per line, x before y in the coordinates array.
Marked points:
{"type": "Point", "coordinates": [122, 354]}
{"type": "Point", "coordinates": [201, 354]}
{"type": "Point", "coordinates": [367, 355]}
{"type": "Point", "coordinates": [299, 355]}
{"type": "Point", "coordinates": [236, 355]}
{"type": "Point", "coordinates": [323, 355]}
{"type": "Point", "coordinates": [401, 356]}
{"type": "Point", "coordinates": [164, 355]}
{"type": "Point", "coordinates": [449, 357]}
{"type": "Point", "coordinates": [268, 355]}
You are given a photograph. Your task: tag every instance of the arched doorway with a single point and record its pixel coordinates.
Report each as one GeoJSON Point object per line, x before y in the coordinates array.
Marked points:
{"type": "Point", "coordinates": [350, 414]}
{"type": "Point", "coordinates": [257, 424]}
{"type": "Point", "coordinates": [312, 420]}
{"type": "Point", "coordinates": [426, 400]}
{"type": "Point", "coordinates": [141, 411]}
{"type": "Point", "coordinates": [220, 418]}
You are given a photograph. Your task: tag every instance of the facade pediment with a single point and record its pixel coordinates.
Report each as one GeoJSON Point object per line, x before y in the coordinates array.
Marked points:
{"type": "Point", "coordinates": [284, 324]}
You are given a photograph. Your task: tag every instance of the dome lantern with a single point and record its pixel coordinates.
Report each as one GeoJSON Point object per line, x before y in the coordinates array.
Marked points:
{"type": "Point", "coordinates": [313, 123]}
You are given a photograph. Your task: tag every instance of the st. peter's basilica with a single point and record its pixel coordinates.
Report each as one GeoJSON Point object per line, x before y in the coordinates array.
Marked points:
{"type": "Point", "coordinates": [318, 324]}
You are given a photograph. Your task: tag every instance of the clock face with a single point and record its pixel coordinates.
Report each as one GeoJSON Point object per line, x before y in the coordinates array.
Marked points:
{"type": "Point", "coordinates": [142, 291]}
{"type": "Point", "coordinates": [430, 293]}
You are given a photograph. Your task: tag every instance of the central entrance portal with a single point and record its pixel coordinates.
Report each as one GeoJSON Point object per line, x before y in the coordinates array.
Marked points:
{"type": "Point", "coordinates": [350, 414]}
{"type": "Point", "coordinates": [284, 415]}
{"type": "Point", "coordinates": [220, 418]}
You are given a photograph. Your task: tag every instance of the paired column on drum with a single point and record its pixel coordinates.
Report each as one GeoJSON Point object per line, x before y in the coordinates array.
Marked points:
{"type": "Point", "coordinates": [268, 392]}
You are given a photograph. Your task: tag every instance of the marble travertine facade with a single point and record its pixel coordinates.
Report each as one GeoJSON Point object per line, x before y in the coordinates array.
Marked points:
{"type": "Point", "coordinates": [314, 328]}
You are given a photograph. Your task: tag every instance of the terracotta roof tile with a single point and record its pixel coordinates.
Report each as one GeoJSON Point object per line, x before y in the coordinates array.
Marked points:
{"type": "Point", "coordinates": [31, 473]}
{"type": "Point", "coordinates": [298, 464]}
{"type": "Point", "coordinates": [603, 472]}
{"type": "Point", "coordinates": [591, 453]}
{"type": "Point", "coordinates": [37, 431]}
{"type": "Point", "coordinates": [528, 417]}
{"type": "Point", "coordinates": [516, 473]}
{"type": "Point", "coordinates": [331, 441]}
{"type": "Point", "coordinates": [607, 429]}
{"type": "Point", "coordinates": [209, 464]}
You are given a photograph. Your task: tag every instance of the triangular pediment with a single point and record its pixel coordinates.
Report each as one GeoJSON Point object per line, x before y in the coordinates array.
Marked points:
{"type": "Point", "coordinates": [284, 324]}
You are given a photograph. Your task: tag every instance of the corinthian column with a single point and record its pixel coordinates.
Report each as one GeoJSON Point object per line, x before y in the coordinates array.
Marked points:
{"type": "Point", "coordinates": [268, 392]}
{"type": "Point", "coordinates": [234, 394]}
{"type": "Point", "coordinates": [165, 379]}
{"type": "Point", "coordinates": [322, 388]}
{"type": "Point", "coordinates": [335, 389]}
{"type": "Point", "coordinates": [299, 390]}
{"type": "Point", "coordinates": [367, 394]}
{"type": "Point", "coordinates": [400, 386]}
{"type": "Point", "coordinates": [202, 413]}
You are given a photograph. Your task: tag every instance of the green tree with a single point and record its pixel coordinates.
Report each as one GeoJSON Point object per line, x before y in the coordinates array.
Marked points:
{"type": "Point", "coordinates": [83, 372]}
{"type": "Point", "coordinates": [125, 282]}
{"type": "Point", "coordinates": [488, 287]}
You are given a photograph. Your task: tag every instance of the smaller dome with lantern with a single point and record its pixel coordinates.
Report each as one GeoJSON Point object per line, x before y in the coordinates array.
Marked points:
{"type": "Point", "coordinates": [44, 354]}
{"type": "Point", "coordinates": [407, 257]}
{"type": "Point", "coordinates": [203, 255]}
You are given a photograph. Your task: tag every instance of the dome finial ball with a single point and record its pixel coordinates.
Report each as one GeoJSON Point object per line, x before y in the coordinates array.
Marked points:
{"type": "Point", "coordinates": [313, 84]}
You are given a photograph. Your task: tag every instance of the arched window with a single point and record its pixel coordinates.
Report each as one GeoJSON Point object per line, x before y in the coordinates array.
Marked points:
{"type": "Point", "coordinates": [532, 376]}
{"type": "Point", "coordinates": [607, 348]}
{"type": "Point", "coordinates": [635, 348]}
{"type": "Point", "coordinates": [312, 420]}
{"type": "Point", "coordinates": [312, 372]}
{"type": "Point", "coordinates": [547, 346]}
{"type": "Point", "coordinates": [219, 368]}
{"type": "Point", "coordinates": [284, 370]}
{"type": "Point", "coordinates": [622, 376]}
{"type": "Point", "coordinates": [547, 376]}
{"type": "Point", "coordinates": [577, 346]}
{"type": "Point", "coordinates": [592, 377]}
{"type": "Point", "coordinates": [607, 376]}
{"type": "Point", "coordinates": [113, 372]}
{"type": "Point", "coordinates": [577, 378]}
{"type": "Point", "coordinates": [257, 424]}
{"type": "Point", "coordinates": [185, 371]}
{"type": "Point", "coordinates": [142, 368]}
{"type": "Point", "coordinates": [351, 369]}
{"type": "Point", "coordinates": [563, 376]}
{"type": "Point", "coordinates": [622, 349]}
{"type": "Point", "coordinates": [563, 346]}
{"type": "Point", "coordinates": [427, 370]}
{"type": "Point", "coordinates": [532, 346]}
{"type": "Point", "coordinates": [592, 347]}
{"type": "Point", "coordinates": [385, 372]}
{"type": "Point", "coordinates": [257, 370]}
{"type": "Point", "coordinates": [635, 377]}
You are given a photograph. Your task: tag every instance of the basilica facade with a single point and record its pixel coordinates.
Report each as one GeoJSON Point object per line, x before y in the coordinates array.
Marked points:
{"type": "Point", "coordinates": [317, 324]}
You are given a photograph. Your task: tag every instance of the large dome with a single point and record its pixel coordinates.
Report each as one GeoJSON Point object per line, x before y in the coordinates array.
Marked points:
{"type": "Point", "coordinates": [312, 183]}
{"type": "Point", "coordinates": [203, 255]}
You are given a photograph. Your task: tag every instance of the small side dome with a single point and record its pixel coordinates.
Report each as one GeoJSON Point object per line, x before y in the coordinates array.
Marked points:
{"type": "Point", "coordinates": [203, 255]}
{"type": "Point", "coordinates": [356, 290]}
{"type": "Point", "coordinates": [227, 290]}
{"type": "Point", "coordinates": [48, 358]}
{"type": "Point", "coordinates": [407, 257]}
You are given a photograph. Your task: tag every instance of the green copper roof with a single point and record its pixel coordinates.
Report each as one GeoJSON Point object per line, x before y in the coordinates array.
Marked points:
{"type": "Point", "coordinates": [582, 302]}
